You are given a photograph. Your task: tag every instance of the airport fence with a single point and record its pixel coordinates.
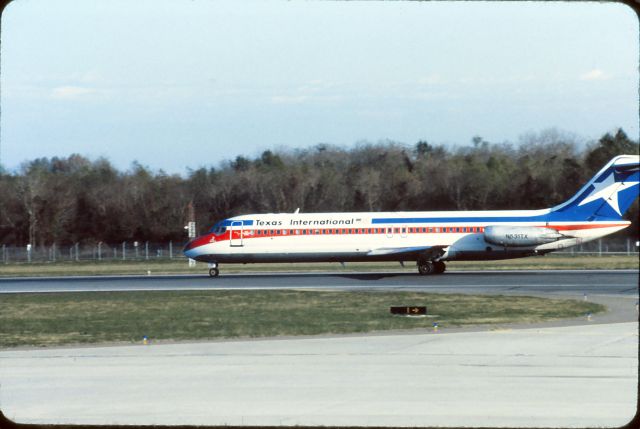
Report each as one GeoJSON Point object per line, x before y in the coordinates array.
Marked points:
{"type": "Point", "coordinates": [145, 251]}
{"type": "Point", "coordinates": [108, 252]}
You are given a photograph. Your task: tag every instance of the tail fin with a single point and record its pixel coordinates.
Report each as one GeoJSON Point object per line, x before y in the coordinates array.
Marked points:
{"type": "Point", "coordinates": [607, 195]}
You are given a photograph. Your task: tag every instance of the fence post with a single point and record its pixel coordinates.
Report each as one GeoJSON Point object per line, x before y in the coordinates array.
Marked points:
{"type": "Point", "coordinates": [29, 253]}
{"type": "Point", "coordinates": [53, 252]}
{"type": "Point", "coordinates": [600, 247]}
{"type": "Point", "coordinates": [170, 249]}
{"type": "Point", "coordinates": [146, 250]}
{"type": "Point", "coordinates": [77, 253]}
{"type": "Point", "coordinates": [628, 246]}
{"type": "Point", "coordinates": [124, 251]}
{"type": "Point", "coordinates": [4, 253]}
{"type": "Point", "coordinates": [99, 250]}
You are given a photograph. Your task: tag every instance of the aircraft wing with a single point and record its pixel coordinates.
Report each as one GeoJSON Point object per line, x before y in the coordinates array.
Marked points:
{"type": "Point", "coordinates": [434, 251]}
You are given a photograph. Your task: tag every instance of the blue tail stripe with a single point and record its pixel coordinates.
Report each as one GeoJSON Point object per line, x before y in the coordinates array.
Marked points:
{"type": "Point", "coordinates": [607, 196]}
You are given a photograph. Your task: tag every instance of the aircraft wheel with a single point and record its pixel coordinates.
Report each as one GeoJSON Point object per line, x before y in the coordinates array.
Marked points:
{"type": "Point", "coordinates": [214, 272]}
{"type": "Point", "coordinates": [425, 267]}
{"type": "Point", "coordinates": [439, 267]}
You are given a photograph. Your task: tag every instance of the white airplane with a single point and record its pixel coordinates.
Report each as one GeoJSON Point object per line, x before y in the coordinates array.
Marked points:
{"type": "Point", "coordinates": [429, 238]}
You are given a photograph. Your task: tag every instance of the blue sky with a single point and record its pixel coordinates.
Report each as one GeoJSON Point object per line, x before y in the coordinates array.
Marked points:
{"type": "Point", "coordinates": [182, 84]}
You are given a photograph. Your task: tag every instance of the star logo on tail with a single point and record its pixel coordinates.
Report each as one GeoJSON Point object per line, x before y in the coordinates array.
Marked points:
{"type": "Point", "coordinates": [608, 190]}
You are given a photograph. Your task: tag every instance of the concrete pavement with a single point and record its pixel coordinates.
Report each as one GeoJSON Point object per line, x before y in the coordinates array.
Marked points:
{"type": "Point", "coordinates": [547, 377]}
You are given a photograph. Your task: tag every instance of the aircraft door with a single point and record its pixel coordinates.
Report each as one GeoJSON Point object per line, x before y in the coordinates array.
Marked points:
{"type": "Point", "coordinates": [236, 232]}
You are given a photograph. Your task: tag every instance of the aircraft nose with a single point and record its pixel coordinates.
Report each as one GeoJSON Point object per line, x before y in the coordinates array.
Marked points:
{"type": "Point", "coordinates": [188, 246]}
{"type": "Point", "coordinates": [190, 249]}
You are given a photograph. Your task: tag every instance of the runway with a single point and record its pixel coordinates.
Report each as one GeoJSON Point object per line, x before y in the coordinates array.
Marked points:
{"type": "Point", "coordinates": [571, 282]}
{"type": "Point", "coordinates": [584, 373]}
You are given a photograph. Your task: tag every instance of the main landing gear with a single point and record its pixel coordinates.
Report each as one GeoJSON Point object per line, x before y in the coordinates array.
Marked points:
{"type": "Point", "coordinates": [431, 267]}
{"type": "Point", "coordinates": [213, 269]}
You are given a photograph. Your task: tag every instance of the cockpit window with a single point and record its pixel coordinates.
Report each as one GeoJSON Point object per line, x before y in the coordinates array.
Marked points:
{"type": "Point", "coordinates": [218, 229]}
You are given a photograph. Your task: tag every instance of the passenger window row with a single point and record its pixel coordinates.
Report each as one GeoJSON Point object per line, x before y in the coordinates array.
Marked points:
{"type": "Point", "coordinates": [334, 231]}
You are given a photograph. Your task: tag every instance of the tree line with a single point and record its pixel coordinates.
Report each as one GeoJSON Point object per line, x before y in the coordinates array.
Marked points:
{"type": "Point", "coordinates": [78, 200]}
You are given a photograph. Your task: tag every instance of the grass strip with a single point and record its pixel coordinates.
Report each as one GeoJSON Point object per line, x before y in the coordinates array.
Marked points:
{"type": "Point", "coordinates": [42, 319]}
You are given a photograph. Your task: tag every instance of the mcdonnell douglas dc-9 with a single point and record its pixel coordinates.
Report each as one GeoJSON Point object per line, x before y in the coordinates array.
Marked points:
{"type": "Point", "coordinates": [429, 238]}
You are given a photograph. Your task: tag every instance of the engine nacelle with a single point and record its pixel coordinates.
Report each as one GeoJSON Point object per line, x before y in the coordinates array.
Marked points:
{"type": "Point", "coordinates": [520, 236]}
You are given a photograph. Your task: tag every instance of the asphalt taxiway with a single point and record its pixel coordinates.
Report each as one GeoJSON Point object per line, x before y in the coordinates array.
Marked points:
{"type": "Point", "coordinates": [607, 282]}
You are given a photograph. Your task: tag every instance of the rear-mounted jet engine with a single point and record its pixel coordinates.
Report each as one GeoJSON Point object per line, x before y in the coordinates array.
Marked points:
{"type": "Point", "coordinates": [520, 236]}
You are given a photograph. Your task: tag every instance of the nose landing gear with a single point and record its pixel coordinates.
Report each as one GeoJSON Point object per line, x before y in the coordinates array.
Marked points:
{"type": "Point", "coordinates": [213, 269]}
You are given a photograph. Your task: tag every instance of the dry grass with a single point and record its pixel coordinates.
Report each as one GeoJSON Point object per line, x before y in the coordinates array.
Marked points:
{"type": "Point", "coordinates": [103, 317]}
